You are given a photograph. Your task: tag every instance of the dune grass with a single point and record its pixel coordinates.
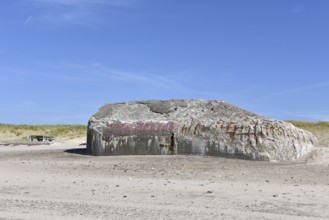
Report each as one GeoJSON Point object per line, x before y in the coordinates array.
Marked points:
{"type": "Point", "coordinates": [22, 132]}
{"type": "Point", "coordinates": [319, 129]}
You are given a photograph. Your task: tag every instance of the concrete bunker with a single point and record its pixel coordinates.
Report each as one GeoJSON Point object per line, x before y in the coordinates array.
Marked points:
{"type": "Point", "coordinates": [203, 127]}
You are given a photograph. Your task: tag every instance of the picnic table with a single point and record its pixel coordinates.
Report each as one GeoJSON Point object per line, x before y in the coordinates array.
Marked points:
{"type": "Point", "coordinates": [41, 138]}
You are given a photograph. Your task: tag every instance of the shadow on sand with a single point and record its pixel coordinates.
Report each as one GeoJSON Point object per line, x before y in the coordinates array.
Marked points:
{"type": "Point", "coordinates": [80, 151]}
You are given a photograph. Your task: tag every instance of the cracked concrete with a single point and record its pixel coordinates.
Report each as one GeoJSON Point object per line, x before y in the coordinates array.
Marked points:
{"type": "Point", "coordinates": [204, 127]}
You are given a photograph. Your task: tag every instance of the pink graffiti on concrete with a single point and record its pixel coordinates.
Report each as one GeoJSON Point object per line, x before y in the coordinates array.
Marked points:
{"type": "Point", "coordinates": [140, 128]}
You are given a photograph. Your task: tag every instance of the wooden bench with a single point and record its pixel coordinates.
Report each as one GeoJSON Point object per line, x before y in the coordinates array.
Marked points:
{"type": "Point", "coordinates": [41, 138]}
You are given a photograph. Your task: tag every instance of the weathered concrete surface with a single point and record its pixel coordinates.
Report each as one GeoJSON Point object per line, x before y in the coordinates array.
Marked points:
{"type": "Point", "coordinates": [193, 127]}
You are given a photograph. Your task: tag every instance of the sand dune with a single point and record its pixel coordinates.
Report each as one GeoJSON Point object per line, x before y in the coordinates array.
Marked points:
{"type": "Point", "coordinates": [58, 181]}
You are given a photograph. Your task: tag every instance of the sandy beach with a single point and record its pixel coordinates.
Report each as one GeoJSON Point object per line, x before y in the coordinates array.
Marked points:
{"type": "Point", "coordinates": [59, 181]}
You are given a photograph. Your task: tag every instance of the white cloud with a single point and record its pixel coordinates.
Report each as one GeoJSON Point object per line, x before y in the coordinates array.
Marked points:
{"type": "Point", "coordinates": [297, 9]}
{"type": "Point", "coordinates": [81, 2]}
{"type": "Point", "coordinates": [101, 73]}
{"type": "Point", "coordinates": [96, 73]}
{"type": "Point", "coordinates": [27, 20]}
{"type": "Point", "coordinates": [306, 87]}
{"type": "Point", "coordinates": [178, 84]}
{"type": "Point", "coordinates": [73, 12]}
{"type": "Point", "coordinates": [292, 90]}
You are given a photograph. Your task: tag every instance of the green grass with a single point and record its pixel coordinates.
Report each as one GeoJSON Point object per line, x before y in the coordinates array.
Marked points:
{"type": "Point", "coordinates": [22, 132]}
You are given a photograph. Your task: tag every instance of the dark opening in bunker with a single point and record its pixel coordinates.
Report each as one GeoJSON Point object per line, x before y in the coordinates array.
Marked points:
{"type": "Point", "coordinates": [168, 147]}
{"type": "Point", "coordinates": [172, 142]}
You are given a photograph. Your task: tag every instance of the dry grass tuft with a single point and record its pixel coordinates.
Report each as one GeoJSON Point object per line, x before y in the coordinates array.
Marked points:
{"type": "Point", "coordinates": [22, 132]}
{"type": "Point", "coordinates": [319, 129]}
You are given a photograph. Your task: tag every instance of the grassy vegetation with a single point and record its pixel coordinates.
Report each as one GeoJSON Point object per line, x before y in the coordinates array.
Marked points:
{"type": "Point", "coordinates": [22, 132]}
{"type": "Point", "coordinates": [314, 127]}
{"type": "Point", "coordinates": [319, 129]}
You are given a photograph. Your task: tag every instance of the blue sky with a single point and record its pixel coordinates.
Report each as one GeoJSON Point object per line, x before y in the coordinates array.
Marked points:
{"type": "Point", "coordinates": [61, 60]}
